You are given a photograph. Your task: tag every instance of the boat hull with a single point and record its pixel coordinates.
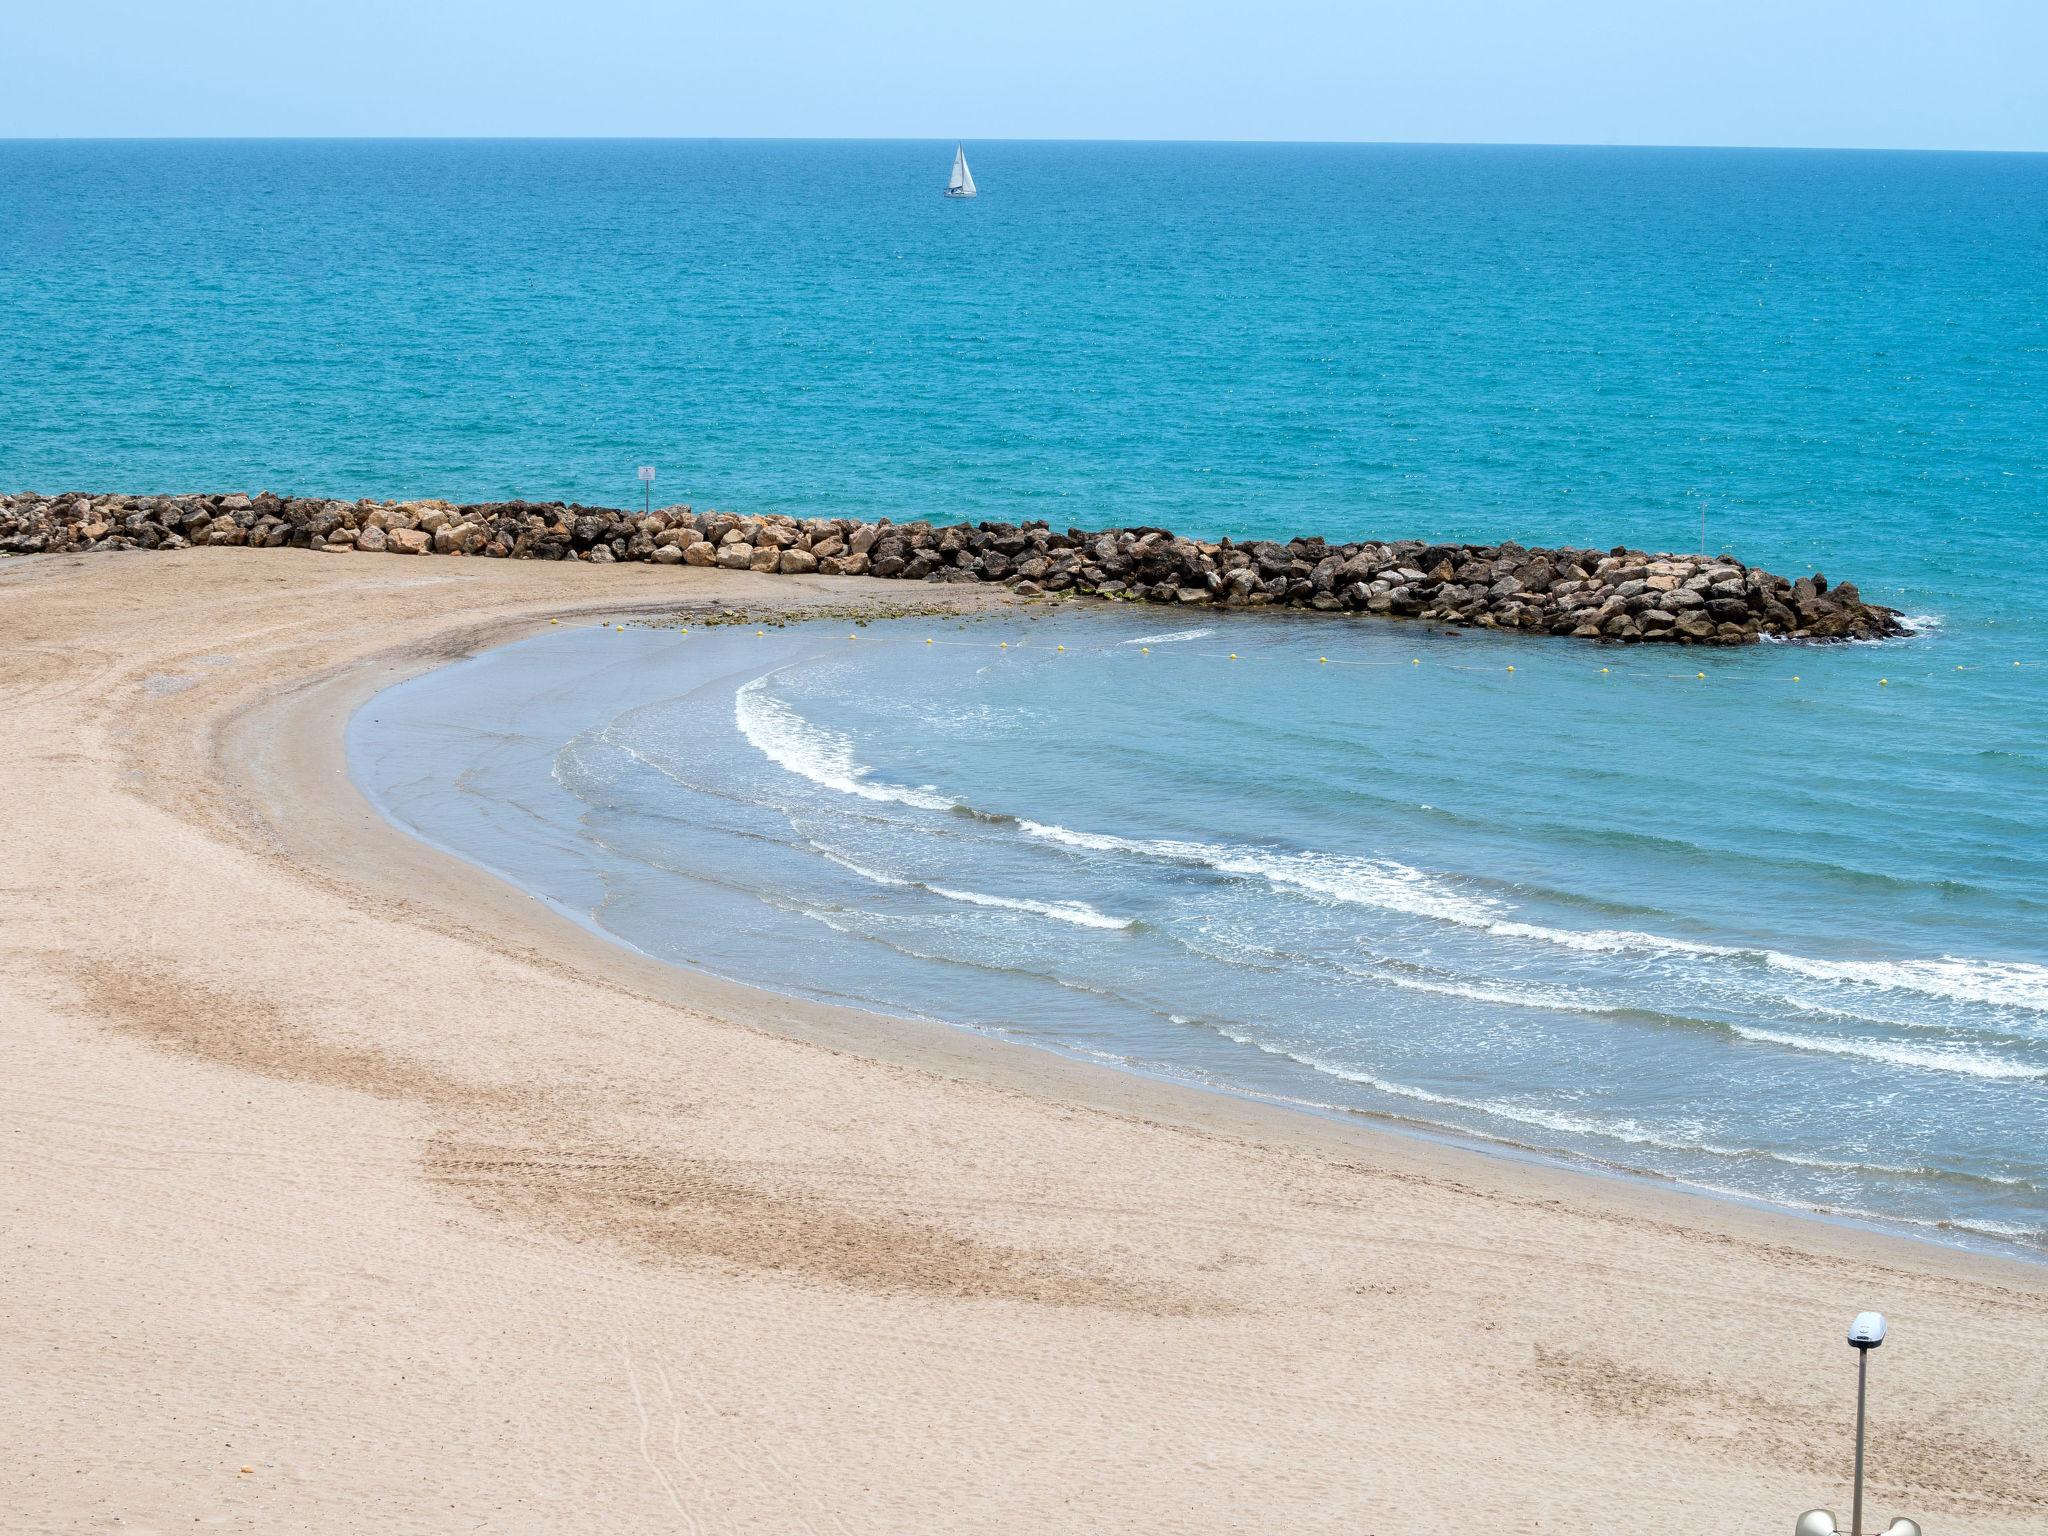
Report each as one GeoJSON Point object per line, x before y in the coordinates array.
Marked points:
{"type": "Point", "coordinates": [953, 192]}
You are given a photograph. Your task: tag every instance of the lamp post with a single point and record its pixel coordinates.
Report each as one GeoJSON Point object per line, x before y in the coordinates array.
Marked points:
{"type": "Point", "coordinates": [1865, 1334]}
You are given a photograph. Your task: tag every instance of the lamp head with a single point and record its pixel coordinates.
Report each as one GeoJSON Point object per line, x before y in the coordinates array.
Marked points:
{"type": "Point", "coordinates": [1815, 1522]}
{"type": "Point", "coordinates": [1867, 1332]}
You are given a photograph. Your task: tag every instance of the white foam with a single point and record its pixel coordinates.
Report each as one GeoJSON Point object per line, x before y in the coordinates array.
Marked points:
{"type": "Point", "coordinates": [1563, 1001]}
{"type": "Point", "coordinates": [1174, 637]}
{"type": "Point", "coordinates": [1893, 1053]}
{"type": "Point", "coordinates": [2000, 983]}
{"type": "Point", "coordinates": [1628, 1132]}
{"type": "Point", "coordinates": [811, 752]}
{"type": "Point", "coordinates": [1079, 913]}
{"type": "Point", "coordinates": [1606, 941]}
{"type": "Point", "coordinates": [860, 869]}
{"type": "Point", "coordinates": [827, 759]}
{"type": "Point", "coordinates": [1380, 883]}
{"type": "Point", "coordinates": [1395, 887]}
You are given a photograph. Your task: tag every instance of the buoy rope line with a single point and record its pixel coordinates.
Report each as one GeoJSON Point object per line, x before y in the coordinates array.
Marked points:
{"type": "Point", "coordinates": [1338, 661]}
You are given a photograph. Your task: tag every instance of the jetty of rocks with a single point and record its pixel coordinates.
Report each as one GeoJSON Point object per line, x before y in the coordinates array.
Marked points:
{"type": "Point", "coordinates": [1612, 594]}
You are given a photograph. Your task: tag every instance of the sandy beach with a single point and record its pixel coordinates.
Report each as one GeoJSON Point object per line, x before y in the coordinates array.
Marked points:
{"type": "Point", "coordinates": [348, 1188]}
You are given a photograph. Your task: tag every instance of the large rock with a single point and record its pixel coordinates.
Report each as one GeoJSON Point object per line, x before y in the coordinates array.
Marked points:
{"type": "Point", "coordinates": [1619, 594]}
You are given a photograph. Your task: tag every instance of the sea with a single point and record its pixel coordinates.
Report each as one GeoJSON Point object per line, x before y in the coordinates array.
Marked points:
{"type": "Point", "coordinates": [1768, 924]}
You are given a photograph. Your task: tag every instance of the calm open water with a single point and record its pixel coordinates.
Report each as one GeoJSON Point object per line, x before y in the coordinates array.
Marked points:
{"type": "Point", "coordinates": [1787, 939]}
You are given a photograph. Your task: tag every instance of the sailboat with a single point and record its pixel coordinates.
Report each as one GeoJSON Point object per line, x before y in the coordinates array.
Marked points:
{"type": "Point", "coordinates": [962, 184]}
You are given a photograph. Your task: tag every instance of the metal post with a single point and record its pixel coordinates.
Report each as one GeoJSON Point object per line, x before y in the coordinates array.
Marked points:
{"type": "Point", "coordinates": [1862, 1377]}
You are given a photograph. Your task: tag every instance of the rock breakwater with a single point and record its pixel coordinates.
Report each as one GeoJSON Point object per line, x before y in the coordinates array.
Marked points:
{"type": "Point", "coordinates": [1614, 594]}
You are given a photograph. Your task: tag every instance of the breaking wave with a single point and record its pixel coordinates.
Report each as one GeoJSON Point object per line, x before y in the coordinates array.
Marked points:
{"type": "Point", "coordinates": [1394, 887]}
{"type": "Point", "coordinates": [811, 752]}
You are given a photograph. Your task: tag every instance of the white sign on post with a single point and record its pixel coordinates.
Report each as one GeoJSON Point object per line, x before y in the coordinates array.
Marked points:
{"type": "Point", "coordinates": [647, 486]}
{"type": "Point", "coordinates": [647, 473]}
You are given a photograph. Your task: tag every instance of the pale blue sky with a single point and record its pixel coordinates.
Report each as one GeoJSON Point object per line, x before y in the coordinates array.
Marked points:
{"type": "Point", "coordinates": [1964, 74]}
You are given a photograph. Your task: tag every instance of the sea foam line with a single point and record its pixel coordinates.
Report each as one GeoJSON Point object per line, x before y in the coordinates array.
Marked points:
{"type": "Point", "coordinates": [1626, 1131]}
{"type": "Point", "coordinates": [811, 752]}
{"type": "Point", "coordinates": [1078, 913]}
{"type": "Point", "coordinates": [1381, 883]}
{"type": "Point", "coordinates": [1172, 637]}
{"type": "Point", "coordinates": [1391, 886]}
{"type": "Point", "coordinates": [1999, 983]}
{"type": "Point", "coordinates": [1968, 1063]}
{"type": "Point", "coordinates": [826, 758]}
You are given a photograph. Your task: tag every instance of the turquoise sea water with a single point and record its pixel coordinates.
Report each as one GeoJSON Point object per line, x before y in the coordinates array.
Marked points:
{"type": "Point", "coordinates": [1781, 931]}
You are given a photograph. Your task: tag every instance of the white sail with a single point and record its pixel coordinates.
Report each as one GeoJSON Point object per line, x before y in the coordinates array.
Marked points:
{"type": "Point", "coordinates": [962, 183]}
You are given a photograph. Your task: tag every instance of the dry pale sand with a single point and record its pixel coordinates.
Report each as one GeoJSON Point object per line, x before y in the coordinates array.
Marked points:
{"type": "Point", "coordinates": [332, 1159]}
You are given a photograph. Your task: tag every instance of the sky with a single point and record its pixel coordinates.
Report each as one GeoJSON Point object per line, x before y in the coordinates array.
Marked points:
{"type": "Point", "coordinates": [1938, 74]}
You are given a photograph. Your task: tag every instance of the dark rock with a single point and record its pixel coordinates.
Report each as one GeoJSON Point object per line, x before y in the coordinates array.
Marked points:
{"type": "Point", "coordinates": [1624, 594]}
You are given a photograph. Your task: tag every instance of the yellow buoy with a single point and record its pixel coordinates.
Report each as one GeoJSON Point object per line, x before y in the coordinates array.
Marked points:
{"type": "Point", "coordinates": [1324, 660]}
{"type": "Point", "coordinates": [1795, 677]}
{"type": "Point", "coordinates": [1059, 647]}
{"type": "Point", "coordinates": [1144, 650]}
{"type": "Point", "coordinates": [1884, 682]}
{"type": "Point", "coordinates": [1233, 655]}
{"type": "Point", "coordinates": [1603, 669]}
{"type": "Point", "coordinates": [1415, 661]}
{"type": "Point", "coordinates": [760, 632]}
{"type": "Point", "coordinates": [1004, 644]}
{"type": "Point", "coordinates": [1511, 666]}
{"type": "Point", "coordinates": [620, 628]}
{"type": "Point", "coordinates": [927, 640]}
{"type": "Point", "coordinates": [1699, 674]}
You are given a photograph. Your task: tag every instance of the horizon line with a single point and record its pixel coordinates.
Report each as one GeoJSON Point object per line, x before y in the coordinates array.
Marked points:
{"type": "Point", "coordinates": [728, 138]}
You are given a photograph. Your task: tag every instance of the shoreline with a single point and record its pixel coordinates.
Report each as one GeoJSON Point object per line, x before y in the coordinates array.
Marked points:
{"type": "Point", "coordinates": [321, 735]}
{"type": "Point", "coordinates": [764, 997]}
{"type": "Point", "coordinates": [371, 1105]}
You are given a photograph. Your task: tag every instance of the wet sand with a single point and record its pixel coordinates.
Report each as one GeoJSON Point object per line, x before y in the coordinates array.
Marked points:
{"type": "Point", "coordinates": [333, 1158]}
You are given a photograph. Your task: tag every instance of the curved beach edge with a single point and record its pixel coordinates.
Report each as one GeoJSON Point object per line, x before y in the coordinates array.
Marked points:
{"type": "Point", "coordinates": [436, 1200]}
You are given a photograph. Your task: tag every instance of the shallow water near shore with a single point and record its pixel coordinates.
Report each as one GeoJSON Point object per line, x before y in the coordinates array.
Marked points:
{"type": "Point", "coordinates": [1789, 951]}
